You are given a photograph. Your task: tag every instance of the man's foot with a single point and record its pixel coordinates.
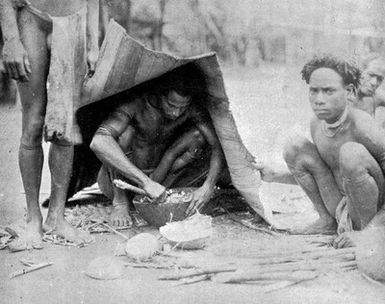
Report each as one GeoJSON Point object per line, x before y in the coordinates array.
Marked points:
{"type": "Point", "coordinates": [63, 229]}
{"type": "Point", "coordinates": [321, 226]}
{"type": "Point", "coordinates": [120, 216]}
{"type": "Point", "coordinates": [32, 237]}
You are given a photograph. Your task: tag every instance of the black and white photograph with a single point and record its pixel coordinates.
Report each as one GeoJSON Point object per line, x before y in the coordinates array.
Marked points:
{"type": "Point", "coordinates": [192, 151]}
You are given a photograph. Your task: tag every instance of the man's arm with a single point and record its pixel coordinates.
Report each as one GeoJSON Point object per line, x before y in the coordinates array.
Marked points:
{"type": "Point", "coordinates": [216, 159]}
{"type": "Point", "coordinates": [379, 98]}
{"type": "Point", "coordinates": [92, 34]}
{"type": "Point", "coordinates": [168, 160]}
{"type": "Point", "coordinates": [107, 149]}
{"type": "Point", "coordinates": [203, 194]}
{"type": "Point", "coordinates": [15, 57]}
{"type": "Point", "coordinates": [372, 137]}
{"type": "Point", "coordinates": [275, 173]}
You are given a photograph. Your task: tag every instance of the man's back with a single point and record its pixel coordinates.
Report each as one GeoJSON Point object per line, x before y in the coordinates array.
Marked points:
{"type": "Point", "coordinates": [365, 103]}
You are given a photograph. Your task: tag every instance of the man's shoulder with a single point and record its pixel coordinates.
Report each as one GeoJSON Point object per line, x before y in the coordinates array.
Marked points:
{"type": "Point", "coordinates": [128, 105]}
{"type": "Point", "coordinates": [379, 97]}
{"type": "Point", "coordinates": [358, 116]}
{"type": "Point", "coordinates": [361, 121]}
{"type": "Point", "coordinates": [198, 112]}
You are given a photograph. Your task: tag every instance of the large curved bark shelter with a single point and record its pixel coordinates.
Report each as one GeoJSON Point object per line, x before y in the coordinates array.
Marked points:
{"type": "Point", "coordinates": [125, 63]}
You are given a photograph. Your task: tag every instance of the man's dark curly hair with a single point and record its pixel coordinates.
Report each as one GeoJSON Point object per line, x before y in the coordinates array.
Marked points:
{"type": "Point", "coordinates": [349, 72]}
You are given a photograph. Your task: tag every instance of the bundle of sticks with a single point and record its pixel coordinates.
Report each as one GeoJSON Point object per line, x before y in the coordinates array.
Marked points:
{"type": "Point", "coordinates": [275, 269]}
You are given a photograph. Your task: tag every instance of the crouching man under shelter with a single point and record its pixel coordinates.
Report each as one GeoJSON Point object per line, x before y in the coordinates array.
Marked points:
{"type": "Point", "coordinates": [342, 170]}
{"type": "Point", "coordinates": [153, 138]}
{"type": "Point", "coordinates": [160, 121]}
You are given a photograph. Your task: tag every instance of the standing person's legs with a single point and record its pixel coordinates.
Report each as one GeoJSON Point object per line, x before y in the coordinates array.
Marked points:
{"type": "Point", "coordinates": [318, 182]}
{"type": "Point", "coordinates": [34, 33]}
{"type": "Point", "coordinates": [363, 182]}
{"type": "Point", "coordinates": [60, 164]}
{"type": "Point", "coordinates": [33, 99]}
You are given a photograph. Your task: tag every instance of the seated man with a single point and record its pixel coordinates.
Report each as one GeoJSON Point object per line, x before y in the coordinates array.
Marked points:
{"type": "Point", "coordinates": [152, 136]}
{"type": "Point", "coordinates": [342, 170]}
{"type": "Point", "coordinates": [368, 98]}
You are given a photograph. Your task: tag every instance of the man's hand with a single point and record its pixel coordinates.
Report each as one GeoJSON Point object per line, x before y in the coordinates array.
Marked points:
{"type": "Point", "coordinates": [15, 60]}
{"type": "Point", "coordinates": [344, 240]}
{"type": "Point", "coordinates": [154, 190]}
{"type": "Point", "coordinates": [274, 173]}
{"type": "Point", "coordinates": [92, 58]}
{"type": "Point", "coordinates": [200, 197]}
{"type": "Point", "coordinates": [267, 173]}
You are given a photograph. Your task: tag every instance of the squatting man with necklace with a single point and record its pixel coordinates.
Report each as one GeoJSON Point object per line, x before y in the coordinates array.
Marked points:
{"type": "Point", "coordinates": [342, 170]}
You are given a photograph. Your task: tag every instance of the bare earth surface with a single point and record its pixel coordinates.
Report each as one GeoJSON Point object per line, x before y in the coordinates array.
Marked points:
{"type": "Point", "coordinates": [267, 105]}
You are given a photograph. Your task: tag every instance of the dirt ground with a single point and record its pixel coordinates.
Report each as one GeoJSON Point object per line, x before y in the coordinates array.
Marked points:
{"type": "Point", "coordinates": [267, 105]}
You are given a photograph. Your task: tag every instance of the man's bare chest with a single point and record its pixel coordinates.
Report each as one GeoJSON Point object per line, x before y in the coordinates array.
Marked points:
{"type": "Point", "coordinates": [329, 146]}
{"type": "Point", "coordinates": [158, 130]}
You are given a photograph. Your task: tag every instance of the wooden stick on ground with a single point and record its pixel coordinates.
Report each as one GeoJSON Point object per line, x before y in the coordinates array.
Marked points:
{"type": "Point", "coordinates": [283, 284]}
{"type": "Point", "coordinates": [305, 266]}
{"type": "Point", "coordinates": [30, 269]}
{"type": "Point", "coordinates": [193, 280]}
{"type": "Point", "coordinates": [298, 258]}
{"type": "Point", "coordinates": [305, 254]}
{"type": "Point", "coordinates": [250, 226]}
{"type": "Point", "coordinates": [116, 231]}
{"type": "Point", "coordinates": [199, 272]}
{"type": "Point", "coordinates": [148, 265]}
{"type": "Point", "coordinates": [239, 277]}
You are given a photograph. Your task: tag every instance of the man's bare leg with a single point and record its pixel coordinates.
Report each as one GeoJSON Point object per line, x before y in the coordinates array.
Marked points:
{"type": "Point", "coordinates": [181, 153]}
{"type": "Point", "coordinates": [120, 215]}
{"type": "Point", "coordinates": [31, 163]}
{"type": "Point", "coordinates": [60, 163]}
{"type": "Point", "coordinates": [318, 182]}
{"type": "Point", "coordinates": [33, 100]}
{"type": "Point", "coordinates": [33, 95]}
{"type": "Point", "coordinates": [363, 182]}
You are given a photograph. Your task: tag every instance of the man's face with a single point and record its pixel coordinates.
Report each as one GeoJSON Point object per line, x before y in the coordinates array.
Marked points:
{"type": "Point", "coordinates": [174, 105]}
{"type": "Point", "coordinates": [327, 94]}
{"type": "Point", "coordinates": [372, 78]}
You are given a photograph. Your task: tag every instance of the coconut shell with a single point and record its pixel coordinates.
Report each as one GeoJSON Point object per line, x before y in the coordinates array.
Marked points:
{"type": "Point", "coordinates": [158, 215]}
{"type": "Point", "coordinates": [104, 268]}
{"type": "Point", "coordinates": [191, 233]}
{"type": "Point", "coordinates": [370, 252]}
{"type": "Point", "coordinates": [142, 246]}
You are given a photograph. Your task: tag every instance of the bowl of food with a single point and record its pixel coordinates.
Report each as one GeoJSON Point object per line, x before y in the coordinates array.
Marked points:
{"type": "Point", "coordinates": [191, 233]}
{"type": "Point", "coordinates": [171, 208]}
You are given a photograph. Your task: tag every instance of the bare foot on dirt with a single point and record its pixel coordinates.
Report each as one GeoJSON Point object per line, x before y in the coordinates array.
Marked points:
{"type": "Point", "coordinates": [34, 235]}
{"type": "Point", "coordinates": [63, 229]}
{"type": "Point", "coordinates": [321, 226]}
{"type": "Point", "coordinates": [31, 238]}
{"type": "Point", "coordinates": [120, 216]}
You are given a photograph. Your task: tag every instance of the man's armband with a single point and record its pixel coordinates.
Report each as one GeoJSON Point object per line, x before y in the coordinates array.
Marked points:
{"type": "Point", "coordinates": [17, 4]}
{"type": "Point", "coordinates": [106, 130]}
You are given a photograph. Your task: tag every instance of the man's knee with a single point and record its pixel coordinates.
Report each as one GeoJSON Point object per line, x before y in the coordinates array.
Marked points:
{"type": "Point", "coordinates": [32, 133]}
{"type": "Point", "coordinates": [197, 141]}
{"type": "Point", "coordinates": [197, 138]}
{"type": "Point", "coordinates": [295, 149]}
{"type": "Point", "coordinates": [352, 159]}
